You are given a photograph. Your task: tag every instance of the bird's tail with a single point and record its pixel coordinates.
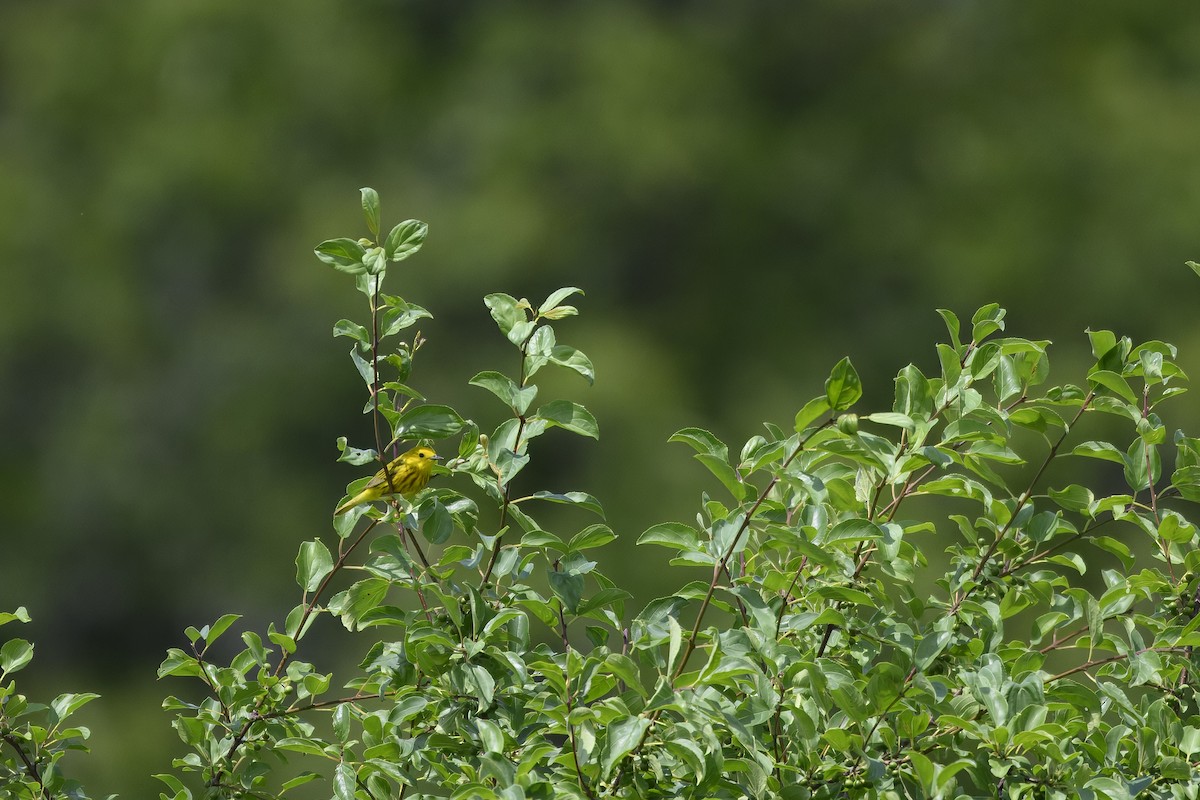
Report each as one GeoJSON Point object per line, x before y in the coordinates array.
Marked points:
{"type": "Point", "coordinates": [361, 497]}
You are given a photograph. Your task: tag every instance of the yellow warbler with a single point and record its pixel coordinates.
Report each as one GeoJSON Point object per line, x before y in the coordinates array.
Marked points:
{"type": "Point", "coordinates": [409, 473]}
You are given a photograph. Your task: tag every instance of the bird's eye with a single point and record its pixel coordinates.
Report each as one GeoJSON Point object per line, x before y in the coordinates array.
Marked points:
{"type": "Point", "coordinates": [420, 455]}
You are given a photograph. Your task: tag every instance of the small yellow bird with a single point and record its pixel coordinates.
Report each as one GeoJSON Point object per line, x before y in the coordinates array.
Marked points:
{"type": "Point", "coordinates": [409, 474]}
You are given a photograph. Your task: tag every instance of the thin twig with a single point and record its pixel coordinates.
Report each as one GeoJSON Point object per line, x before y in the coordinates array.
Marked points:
{"type": "Point", "coordinates": [30, 765]}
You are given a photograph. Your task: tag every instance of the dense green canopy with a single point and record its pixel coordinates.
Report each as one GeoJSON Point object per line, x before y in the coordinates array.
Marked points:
{"type": "Point", "coordinates": [746, 193]}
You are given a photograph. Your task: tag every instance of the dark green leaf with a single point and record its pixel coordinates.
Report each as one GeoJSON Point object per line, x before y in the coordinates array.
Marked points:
{"type": "Point", "coordinates": [952, 325]}
{"type": "Point", "coordinates": [813, 410]}
{"type": "Point", "coordinates": [343, 776]}
{"type": "Point", "coordinates": [1113, 382]}
{"type": "Point", "coordinates": [702, 441]}
{"type": "Point", "coordinates": [215, 630]}
{"type": "Point", "coordinates": [313, 563]}
{"type": "Point", "coordinates": [567, 356]}
{"type": "Point", "coordinates": [891, 418]}
{"type": "Point", "coordinates": [843, 389]}
{"type": "Point", "coordinates": [987, 320]}
{"type": "Point", "coordinates": [405, 239]}
{"type": "Point", "coordinates": [15, 654]}
{"type": "Point", "coordinates": [591, 536]}
{"type": "Point", "coordinates": [436, 523]}
{"type": "Point", "coordinates": [567, 587]}
{"type": "Point", "coordinates": [570, 416]}
{"type": "Point", "coordinates": [344, 255]}
{"type": "Point", "coordinates": [345, 327]}
{"type": "Point", "coordinates": [581, 499]}
{"type": "Point", "coordinates": [1102, 450]}
{"type": "Point", "coordinates": [370, 204]}
{"type": "Point", "coordinates": [622, 737]}
{"type": "Point", "coordinates": [428, 421]}
{"type": "Point", "coordinates": [671, 534]}
{"type": "Point", "coordinates": [1102, 342]}
{"type": "Point", "coordinates": [851, 530]}
{"type": "Point", "coordinates": [1073, 497]}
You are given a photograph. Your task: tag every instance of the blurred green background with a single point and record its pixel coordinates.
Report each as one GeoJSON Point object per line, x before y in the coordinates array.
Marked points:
{"type": "Point", "coordinates": [747, 192]}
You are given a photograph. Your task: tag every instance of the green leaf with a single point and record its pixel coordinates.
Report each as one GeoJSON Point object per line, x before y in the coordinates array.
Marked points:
{"type": "Point", "coordinates": [702, 441]}
{"type": "Point", "coordinates": [179, 664]}
{"type": "Point", "coordinates": [591, 536]}
{"type": "Point", "coordinates": [1187, 481]}
{"type": "Point", "coordinates": [375, 260]}
{"type": "Point", "coordinates": [15, 654]}
{"type": "Point", "coordinates": [891, 418]}
{"type": "Point", "coordinates": [567, 356]}
{"type": "Point", "coordinates": [1102, 342]}
{"type": "Point", "coordinates": [987, 320]}
{"type": "Point", "coordinates": [285, 642]}
{"type": "Point", "coordinates": [1101, 450]}
{"type": "Point", "coordinates": [506, 389]}
{"type": "Point", "coordinates": [345, 327]}
{"type": "Point", "coordinates": [510, 315]}
{"type": "Point", "coordinates": [351, 604]}
{"type": "Point", "coordinates": [1113, 382]}
{"type": "Point", "coordinates": [67, 704]}
{"type": "Point", "coordinates": [622, 737]}
{"type": "Point", "coordinates": [370, 204]}
{"type": "Point", "coordinates": [343, 776]}
{"type": "Point", "coordinates": [952, 325]}
{"type": "Point", "coordinates": [566, 587]}
{"type": "Point", "coordinates": [1073, 497]}
{"type": "Point", "coordinates": [353, 455]}
{"type": "Point", "coordinates": [672, 534]}
{"type": "Point", "coordinates": [557, 297]}
{"type": "Point", "coordinates": [542, 539]}
{"type": "Point", "coordinates": [405, 239]}
{"type": "Point", "coordinates": [436, 523]}
{"type": "Point", "coordinates": [581, 499]}
{"type": "Point", "coordinates": [1194, 266]}
{"type": "Point", "coordinates": [20, 615]}
{"type": "Point", "coordinates": [569, 416]}
{"type": "Point", "coordinates": [428, 422]}
{"type": "Point", "coordinates": [930, 648]}
{"type": "Point", "coordinates": [812, 411]}
{"type": "Point", "coordinates": [214, 631]}
{"type": "Point", "coordinates": [725, 473]}
{"type": "Point", "coordinates": [299, 780]}
{"type": "Point", "coordinates": [313, 563]}
{"type": "Point", "coordinates": [398, 315]}
{"type": "Point", "coordinates": [851, 530]}
{"type": "Point", "coordinates": [951, 365]}
{"type": "Point", "coordinates": [1140, 456]}
{"type": "Point", "coordinates": [604, 597]}
{"type": "Point", "coordinates": [914, 396]}
{"type": "Point", "coordinates": [344, 255]}
{"type": "Point", "coordinates": [1176, 529]}
{"type": "Point", "coordinates": [490, 735]}
{"type": "Point", "coordinates": [843, 389]}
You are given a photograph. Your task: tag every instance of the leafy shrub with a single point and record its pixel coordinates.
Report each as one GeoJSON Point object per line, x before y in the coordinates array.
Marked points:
{"type": "Point", "coordinates": [825, 656]}
{"type": "Point", "coordinates": [34, 737]}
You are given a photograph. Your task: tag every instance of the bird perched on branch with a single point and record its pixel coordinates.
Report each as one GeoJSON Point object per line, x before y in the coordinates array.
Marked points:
{"type": "Point", "coordinates": [405, 475]}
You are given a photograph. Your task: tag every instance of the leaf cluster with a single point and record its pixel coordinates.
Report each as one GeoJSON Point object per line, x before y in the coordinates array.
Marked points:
{"type": "Point", "coordinates": [822, 658]}
{"type": "Point", "coordinates": [893, 603]}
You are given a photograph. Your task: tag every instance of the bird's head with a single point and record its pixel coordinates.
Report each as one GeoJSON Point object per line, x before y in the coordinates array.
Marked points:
{"type": "Point", "coordinates": [422, 458]}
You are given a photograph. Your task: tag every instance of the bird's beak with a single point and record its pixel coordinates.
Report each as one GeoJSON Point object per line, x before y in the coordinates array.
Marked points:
{"type": "Point", "coordinates": [437, 458]}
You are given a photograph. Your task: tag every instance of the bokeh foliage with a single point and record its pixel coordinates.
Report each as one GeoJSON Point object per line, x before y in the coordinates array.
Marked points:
{"type": "Point", "coordinates": [746, 193]}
